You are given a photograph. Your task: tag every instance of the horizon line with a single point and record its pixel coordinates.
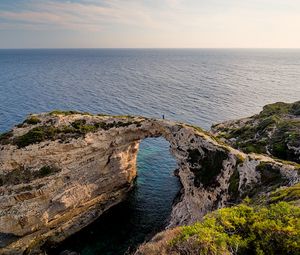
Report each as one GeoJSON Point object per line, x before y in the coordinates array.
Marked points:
{"type": "Point", "coordinates": [145, 48]}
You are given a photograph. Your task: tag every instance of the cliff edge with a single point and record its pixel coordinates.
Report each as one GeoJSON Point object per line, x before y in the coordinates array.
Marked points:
{"type": "Point", "coordinates": [264, 215]}
{"type": "Point", "coordinates": [59, 171]}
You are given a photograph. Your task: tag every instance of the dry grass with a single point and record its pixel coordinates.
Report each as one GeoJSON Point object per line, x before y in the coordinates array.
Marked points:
{"type": "Point", "coordinates": [159, 244]}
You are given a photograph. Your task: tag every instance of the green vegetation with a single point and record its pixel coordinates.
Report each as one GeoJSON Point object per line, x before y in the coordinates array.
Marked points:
{"type": "Point", "coordinates": [46, 171]}
{"type": "Point", "coordinates": [275, 127]}
{"type": "Point", "coordinates": [242, 230]}
{"type": "Point", "coordinates": [66, 113]}
{"type": "Point", "coordinates": [295, 108]}
{"type": "Point", "coordinates": [44, 133]}
{"type": "Point", "coordinates": [109, 125]}
{"type": "Point", "coordinates": [234, 180]}
{"type": "Point", "coordinates": [32, 120]}
{"type": "Point", "coordinates": [296, 165]}
{"type": "Point", "coordinates": [216, 139]}
{"type": "Point", "coordinates": [199, 129]}
{"type": "Point", "coordinates": [36, 135]}
{"type": "Point", "coordinates": [5, 137]}
{"type": "Point", "coordinates": [253, 146]}
{"type": "Point", "coordinates": [287, 132]}
{"type": "Point", "coordinates": [239, 159]}
{"type": "Point", "coordinates": [81, 127]}
{"type": "Point", "coordinates": [76, 129]}
{"type": "Point", "coordinates": [206, 167]}
{"type": "Point", "coordinates": [119, 116]}
{"type": "Point", "coordinates": [280, 108]}
{"type": "Point", "coordinates": [233, 188]}
{"type": "Point", "coordinates": [270, 174]}
{"type": "Point", "coordinates": [26, 175]}
{"type": "Point", "coordinates": [271, 179]}
{"type": "Point", "coordinates": [287, 194]}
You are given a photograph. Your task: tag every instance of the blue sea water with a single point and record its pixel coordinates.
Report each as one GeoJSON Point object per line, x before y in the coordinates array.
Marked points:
{"type": "Point", "coordinates": [142, 214]}
{"type": "Point", "coordinates": [199, 86]}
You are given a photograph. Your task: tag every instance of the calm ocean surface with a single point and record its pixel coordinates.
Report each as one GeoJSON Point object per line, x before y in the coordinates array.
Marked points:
{"type": "Point", "coordinates": [196, 86]}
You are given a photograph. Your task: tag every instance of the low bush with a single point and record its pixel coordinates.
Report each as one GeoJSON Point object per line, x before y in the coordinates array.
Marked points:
{"type": "Point", "coordinates": [273, 131]}
{"type": "Point", "coordinates": [66, 113]}
{"type": "Point", "coordinates": [26, 175]}
{"type": "Point", "coordinates": [32, 120]}
{"type": "Point", "coordinates": [76, 129]}
{"type": "Point", "coordinates": [35, 135]}
{"type": "Point", "coordinates": [287, 194]}
{"type": "Point", "coordinates": [5, 137]}
{"type": "Point", "coordinates": [243, 230]}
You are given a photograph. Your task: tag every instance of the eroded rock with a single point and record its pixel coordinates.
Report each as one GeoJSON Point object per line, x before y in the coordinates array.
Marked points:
{"type": "Point", "coordinates": [88, 164]}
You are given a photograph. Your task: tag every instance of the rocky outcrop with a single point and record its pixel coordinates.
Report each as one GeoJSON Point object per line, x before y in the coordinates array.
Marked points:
{"type": "Point", "coordinates": [270, 189]}
{"type": "Point", "coordinates": [59, 171]}
{"type": "Point", "coordinates": [274, 131]}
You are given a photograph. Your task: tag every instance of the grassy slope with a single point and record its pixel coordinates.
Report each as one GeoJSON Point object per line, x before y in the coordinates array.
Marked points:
{"type": "Point", "coordinates": [272, 131]}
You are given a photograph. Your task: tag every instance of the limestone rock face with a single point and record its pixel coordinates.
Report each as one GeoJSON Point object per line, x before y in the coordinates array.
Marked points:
{"type": "Point", "coordinates": [274, 131]}
{"type": "Point", "coordinates": [60, 171]}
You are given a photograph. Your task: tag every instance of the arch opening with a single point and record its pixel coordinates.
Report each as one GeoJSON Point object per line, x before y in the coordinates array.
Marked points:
{"type": "Point", "coordinates": [145, 211]}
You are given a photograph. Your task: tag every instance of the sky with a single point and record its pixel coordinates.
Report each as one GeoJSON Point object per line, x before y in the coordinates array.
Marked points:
{"type": "Point", "coordinates": [150, 24]}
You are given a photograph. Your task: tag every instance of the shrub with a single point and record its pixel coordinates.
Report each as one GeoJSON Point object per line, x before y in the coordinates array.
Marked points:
{"type": "Point", "coordinates": [295, 109]}
{"type": "Point", "coordinates": [270, 174]}
{"type": "Point", "coordinates": [276, 108]}
{"type": "Point", "coordinates": [280, 150]}
{"type": "Point", "coordinates": [114, 124]}
{"type": "Point", "coordinates": [66, 113]}
{"type": "Point", "coordinates": [26, 175]}
{"type": "Point", "coordinates": [45, 171]}
{"type": "Point", "coordinates": [286, 194]}
{"type": "Point", "coordinates": [76, 129]}
{"type": "Point", "coordinates": [35, 135]}
{"type": "Point", "coordinates": [233, 188]}
{"type": "Point", "coordinates": [82, 127]}
{"type": "Point", "coordinates": [266, 122]}
{"type": "Point", "coordinates": [243, 230]}
{"type": "Point", "coordinates": [5, 137]}
{"type": "Point", "coordinates": [32, 120]}
{"type": "Point", "coordinates": [43, 133]}
{"type": "Point", "coordinates": [272, 131]}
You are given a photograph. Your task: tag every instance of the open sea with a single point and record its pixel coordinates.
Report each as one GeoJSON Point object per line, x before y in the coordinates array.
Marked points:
{"type": "Point", "coordinates": [198, 86]}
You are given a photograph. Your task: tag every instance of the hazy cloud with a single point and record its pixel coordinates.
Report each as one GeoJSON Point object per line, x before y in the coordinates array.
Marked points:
{"type": "Point", "coordinates": [159, 23]}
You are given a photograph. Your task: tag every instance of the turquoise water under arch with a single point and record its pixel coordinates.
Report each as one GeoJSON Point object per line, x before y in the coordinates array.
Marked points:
{"type": "Point", "coordinates": [145, 211]}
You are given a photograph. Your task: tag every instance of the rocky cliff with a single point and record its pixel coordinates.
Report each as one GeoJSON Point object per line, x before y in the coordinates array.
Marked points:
{"type": "Point", "coordinates": [59, 171]}
{"type": "Point", "coordinates": [267, 220]}
{"type": "Point", "coordinates": [274, 131]}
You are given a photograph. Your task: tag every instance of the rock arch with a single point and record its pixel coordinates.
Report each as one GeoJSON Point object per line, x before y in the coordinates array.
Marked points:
{"type": "Point", "coordinates": [83, 164]}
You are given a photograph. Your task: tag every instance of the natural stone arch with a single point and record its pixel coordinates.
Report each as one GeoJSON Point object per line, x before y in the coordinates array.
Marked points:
{"type": "Point", "coordinates": [90, 162]}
